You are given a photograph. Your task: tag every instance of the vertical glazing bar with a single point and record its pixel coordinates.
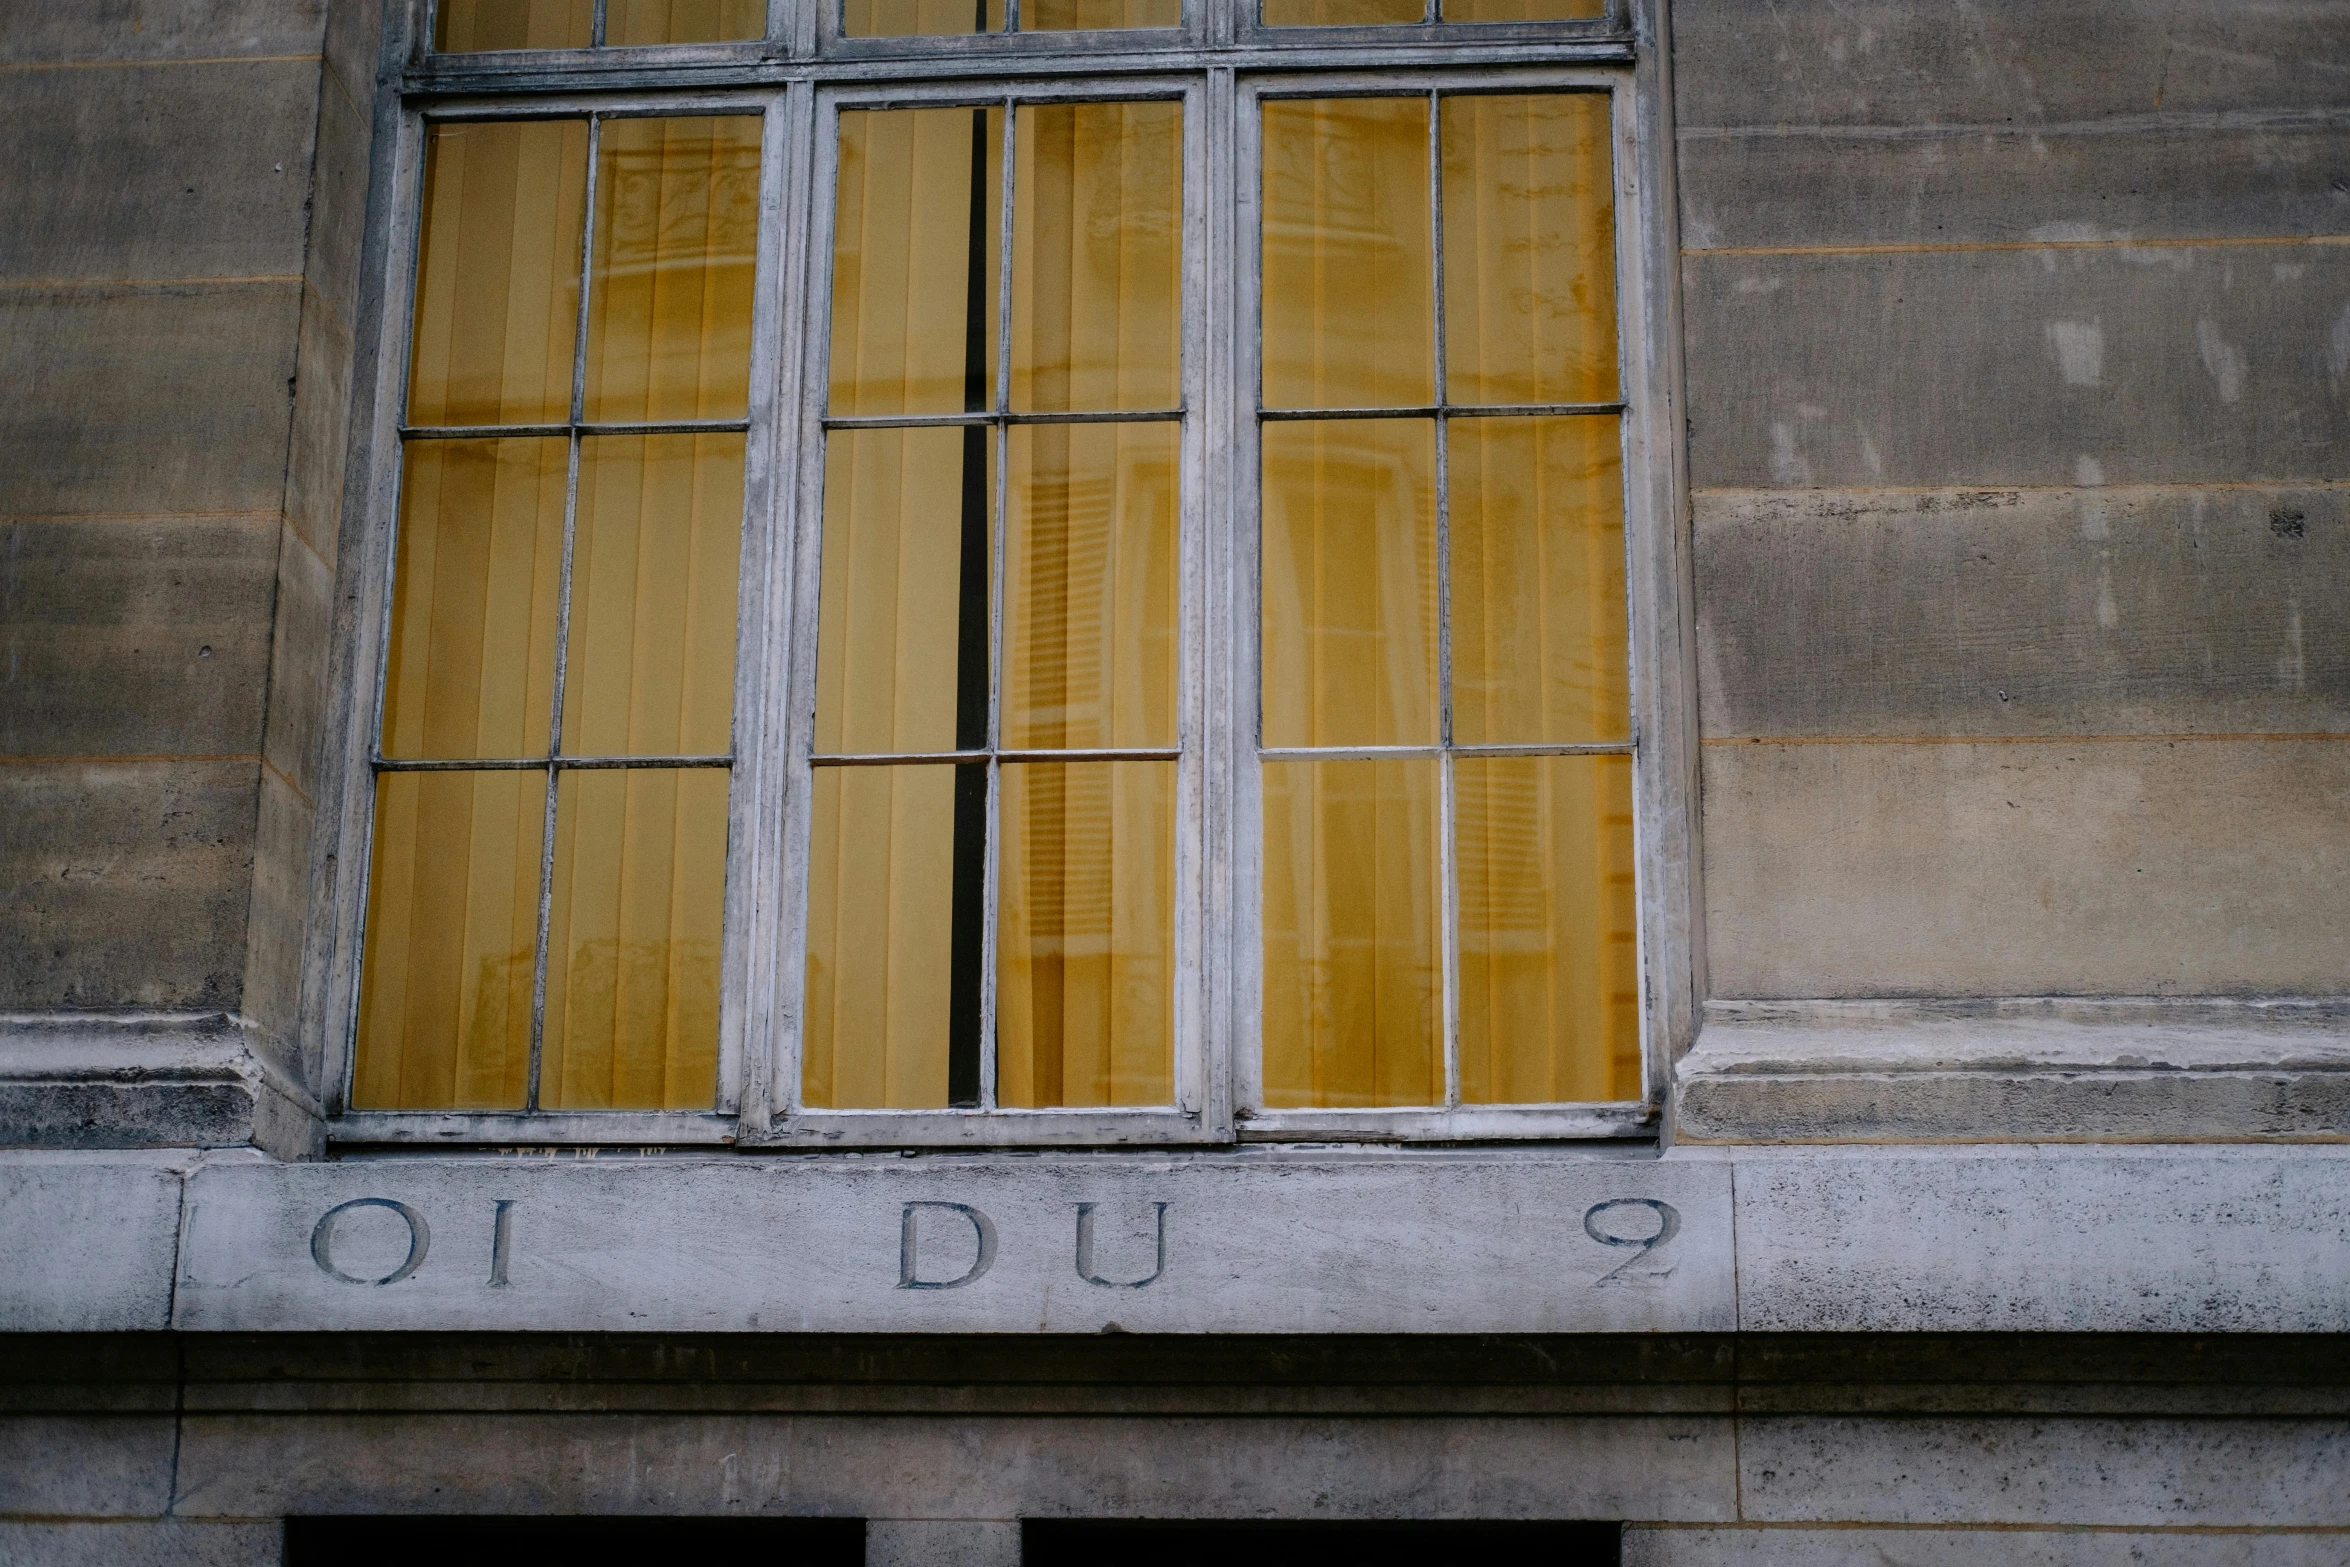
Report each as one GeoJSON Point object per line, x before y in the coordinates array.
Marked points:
{"type": "Point", "coordinates": [1000, 437]}
{"type": "Point", "coordinates": [596, 28]}
{"type": "Point", "coordinates": [1447, 838]}
{"type": "Point", "coordinates": [1003, 282]}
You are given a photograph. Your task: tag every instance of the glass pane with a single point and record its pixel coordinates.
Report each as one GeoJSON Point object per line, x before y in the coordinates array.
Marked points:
{"type": "Point", "coordinates": [1349, 628]}
{"type": "Point", "coordinates": [901, 657]}
{"type": "Point", "coordinates": [1539, 644]}
{"type": "Point", "coordinates": [905, 18]}
{"type": "Point", "coordinates": [452, 938]}
{"type": "Point", "coordinates": [1097, 256]}
{"type": "Point", "coordinates": [1353, 968]}
{"type": "Point", "coordinates": [1523, 10]}
{"type": "Point", "coordinates": [653, 569]}
{"type": "Point", "coordinates": [683, 21]}
{"type": "Point", "coordinates": [881, 937]}
{"type": "Point", "coordinates": [1341, 13]}
{"type": "Point", "coordinates": [669, 301]}
{"type": "Point", "coordinates": [1529, 250]}
{"type": "Point", "coordinates": [463, 26]}
{"type": "Point", "coordinates": [916, 256]}
{"type": "Point", "coordinates": [1090, 586]}
{"type": "Point", "coordinates": [1348, 280]}
{"type": "Point", "coordinates": [474, 595]}
{"type": "Point", "coordinates": [1550, 968]}
{"type": "Point", "coordinates": [1085, 935]}
{"type": "Point", "coordinates": [497, 281]}
{"type": "Point", "coordinates": [1045, 16]}
{"type": "Point", "coordinates": [633, 934]}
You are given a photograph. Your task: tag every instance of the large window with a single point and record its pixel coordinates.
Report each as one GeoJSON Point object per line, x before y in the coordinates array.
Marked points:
{"type": "Point", "coordinates": [1013, 572]}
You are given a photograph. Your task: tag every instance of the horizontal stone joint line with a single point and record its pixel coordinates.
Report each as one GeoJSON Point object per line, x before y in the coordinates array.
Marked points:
{"type": "Point", "coordinates": [1960, 247]}
{"type": "Point", "coordinates": [2293, 736]}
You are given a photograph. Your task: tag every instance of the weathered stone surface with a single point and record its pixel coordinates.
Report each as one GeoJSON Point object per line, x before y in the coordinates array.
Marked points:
{"type": "Point", "coordinates": [89, 1245]}
{"type": "Point", "coordinates": [1893, 62]}
{"type": "Point", "coordinates": [2228, 1473]}
{"type": "Point", "coordinates": [1760, 1547]}
{"type": "Point", "coordinates": [91, 1466]}
{"type": "Point", "coordinates": [1940, 184]}
{"type": "Point", "coordinates": [278, 922]}
{"type": "Point", "coordinates": [972, 1467]}
{"type": "Point", "coordinates": [158, 30]}
{"type": "Point", "coordinates": [936, 1542]}
{"type": "Point", "coordinates": [158, 171]}
{"type": "Point", "coordinates": [125, 884]}
{"type": "Point", "coordinates": [354, 40]}
{"type": "Point", "coordinates": [338, 200]}
{"type": "Point", "coordinates": [1961, 612]}
{"type": "Point", "coordinates": [1434, 1246]}
{"type": "Point", "coordinates": [321, 433]}
{"type": "Point", "coordinates": [2143, 1240]}
{"type": "Point", "coordinates": [152, 399]}
{"type": "Point", "coordinates": [299, 630]}
{"type": "Point", "coordinates": [2039, 868]}
{"type": "Point", "coordinates": [163, 1542]}
{"type": "Point", "coordinates": [135, 636]}
{"type": "Point", "coordinates": [2010, 367]}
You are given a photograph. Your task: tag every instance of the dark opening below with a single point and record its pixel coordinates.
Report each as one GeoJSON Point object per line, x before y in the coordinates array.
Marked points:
{"type": "Point", "coordinates": [1063, 1543]}
{"type": "Point", "coordinates": [575, 1542]}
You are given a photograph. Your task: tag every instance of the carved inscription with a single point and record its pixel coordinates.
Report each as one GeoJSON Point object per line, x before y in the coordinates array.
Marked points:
{"type": "Point", "coordinates": [1618, 1223]}
{"type": "Point", "coordinates": [322, 1240]}
{"type": "Point", "coordinates": [1085, 1250]}
{"type": "Point", "coordinates": [909, 1242]}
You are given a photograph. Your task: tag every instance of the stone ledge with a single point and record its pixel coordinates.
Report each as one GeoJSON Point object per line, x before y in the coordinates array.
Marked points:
{"type": "Point", "coordinates": [99, 1080]}
{"type": "Point", "coordinates": [2017, 1070]}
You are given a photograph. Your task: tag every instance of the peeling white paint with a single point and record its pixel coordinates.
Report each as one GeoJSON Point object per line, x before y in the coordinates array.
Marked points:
{"type": "Point", "coordinates": [2080, 351]}
{"type": "Point", "coordinates": [2223, 359]}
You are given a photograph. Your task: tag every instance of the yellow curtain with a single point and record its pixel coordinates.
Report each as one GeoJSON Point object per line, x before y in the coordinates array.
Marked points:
{"type": "Point", "coordinates": [1043, 16]}
{"type": "Point", "coordinates": [463, 26]}
{"type": "Point", "coordinates": [904, 18]}
{"type": "Point", "coordinates": [1341, 13]}
{"type": "Point", "coordinates": [497, 278]}
{"type": "Point", "coordinates": [683, 21]}
{"type": "Point", "coordinates": [1523, 10]}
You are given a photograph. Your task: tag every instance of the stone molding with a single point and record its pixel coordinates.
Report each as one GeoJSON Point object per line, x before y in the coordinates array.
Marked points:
{"type": "Point", "coordinates": [149, 1079]}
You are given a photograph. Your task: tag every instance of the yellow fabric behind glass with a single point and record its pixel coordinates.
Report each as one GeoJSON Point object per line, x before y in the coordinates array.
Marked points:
{"type": "Point", "coordinates": [1353, 941]}
{"type": "Point", "coordinates": [669, 299]}
{"type": "Point", "coordinates": [1349, 582]}
{"type": "Point", "coordinates": [1097, 256]}
{"type": "Point", "coordinates": [1523, 10]}
{"type": "Point", "coordinates": [1539, 642]}
{"type": "Point", "coordinates": [909, 18]}
{"type": "Point", "coordinates": [901, 257]}
{"type": "Point", "coordinates": [880, 938]}
{"type": "Point", "coordinates": [464, 26]}
{"type": "Point", "coordinates": [888, 616]}
{"type": "Point", "coordinates": [452, 934]}
{"type": "Point", "coordinates": [653, 569]}
{"type": "Point", "coordinates": [1550, 982]}
{"type": "Point", "coordinates": [497, 280]}
{"type": "Point", "coordinates": [1090, 586]}
{"type": "Point", "coordinates": [1340, 13]}
{"type": "Point", "coordinates": [633, 930]}
{"type": "Point", "coordinates": [1349, 280]}
{"type": "Point", "coordinates": [683, 21]}
{"type": "Point", "coordinates": [1046, 16]}
{"type": "Point", "coordinates": [474, 594]}
{"type": "Point", "coordinates": [1529, 250]}
{"type": "Point", "coordinates": [1085, 935]}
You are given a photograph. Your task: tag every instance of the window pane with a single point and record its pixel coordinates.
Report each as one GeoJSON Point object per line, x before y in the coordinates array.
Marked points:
{"type": "Point", "coordinates": [1090, 586]}
{"type": "Point", "coordinates": [1529, 250]}
{"type": "Point", "coordinates": [669, 301]}
{"type": "Point", "coordinates": [1539, 645]}
{"type": "Point", "coordinates": [1341, 13]}
{"type": "Point", "coordinates": [467, 25]}
{"type": "Point", "coordinates": [497, 281]}
{"type": "Point", "coordinates": [1349, 530]}
{"type": "Point", "coordinates": [633, 931]}
{"type": "Point", "coordinates": [1348, 281]}
{"type": "Point", "coordinates": [915, 260]}
{"type": "Point", "coordinates": [1550, 982]}
{"type": "Point", "coordinates": [1085, 935]}
{"type": "Point", "coordinates": [452, 938]}
{"type": "Point", "coordinates": [903, 18]}
{"type": "Point", "coordinates": [1523, 10]}
{"type": "Point", "coordinates": [474, 596]}
{"type": "Point", "coordinates": [1353, 1002]}
{"type": "Point", "coordinates": [1044, 16]}
{"type": "Point", "coordinates": [683, 21]}
{"type": "Point", "coordinates": [901, 659]}
{"type": "Point", "coordinates": [1097, 256]}
{"type": "Point", "coordinates": [881, 937]}
{"type": "Point", "coordinates": [653, 567]}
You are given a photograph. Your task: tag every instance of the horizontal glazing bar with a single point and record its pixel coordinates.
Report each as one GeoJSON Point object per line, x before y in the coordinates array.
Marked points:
{"type": "Point", "coordinates": [501, 764]}
{"type": "Point", "coordinates": [493, 432]}
{"type": "Point", "coordinates": [939, 758]}
{"type": "Point", "coordinates": [1456, 411]}
{"type": "Point", "coordinates": [928, 421]}
{"type": "Point", "coordinates": [1378, 753]}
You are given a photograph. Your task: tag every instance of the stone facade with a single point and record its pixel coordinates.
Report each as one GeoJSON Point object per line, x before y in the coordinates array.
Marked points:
{"type": "Point", "coordinates": [1999, 1211]}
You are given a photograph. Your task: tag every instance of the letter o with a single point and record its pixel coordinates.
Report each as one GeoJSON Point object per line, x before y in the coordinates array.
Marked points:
{"type": "Point", "coordinates": [322, 1240]}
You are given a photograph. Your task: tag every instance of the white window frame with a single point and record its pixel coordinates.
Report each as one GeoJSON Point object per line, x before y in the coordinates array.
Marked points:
{"type": "Point", "coordinates": [1221, 64]}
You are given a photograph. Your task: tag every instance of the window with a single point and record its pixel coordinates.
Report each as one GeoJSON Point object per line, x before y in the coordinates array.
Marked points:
{"type": "Point", "coordinates": [1097, 597]}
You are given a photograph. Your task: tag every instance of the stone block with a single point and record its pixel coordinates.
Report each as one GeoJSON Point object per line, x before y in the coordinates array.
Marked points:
{"type": "Point", "coordinates": [163, 398]}
{"type": "Point", "coordinates": [164, 1542]}
{"type": "Point", "coordinates": [354, 43]}
{"type": "Point", "coordinates": [321, 433]}
{"type": "Point", "coordinates": [1893, 62]}
{"type": "Point", "coordinates": [1986, 368]}
{"type": "Point", "coordinates": [2090, 867]}
{"type": "Point", "coordinates": [941, 1542]}
{"type": "Point", "coordinates": [2230, 1474]}
{"type": "Point", "coordinates": [158, 30]}
{"type": "Point", "coordinates": [2056, 1547]}
{"type": "Point", "coordinates": [298, 657]}
{"type": "Point", "coordinates": [136, 636]}
{"type": "Point", "coordinates": [278, 924]}
{"type": "Point", "coordinates": [87, 1466]}
{"type": "Point", "coordinates": [1992, 612]}
{"type": "Point", "coordinates": [2153, 1240]}
{"type": "Point", "coordinates": [91, 1244]}
{"type": "Point", "coordinates": [125, 884]}
{"type": "Point", "coordinates": [158, 171]}
{"type": "Point", "coordinates": [338, 200]}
